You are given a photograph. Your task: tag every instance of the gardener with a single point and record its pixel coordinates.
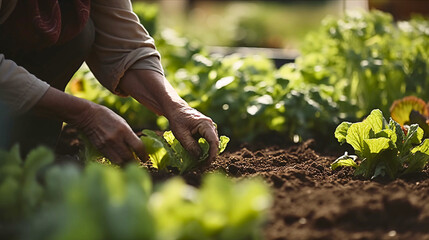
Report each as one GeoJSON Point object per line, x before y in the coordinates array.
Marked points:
{"type": "Point", "coordinates": [44, 42]}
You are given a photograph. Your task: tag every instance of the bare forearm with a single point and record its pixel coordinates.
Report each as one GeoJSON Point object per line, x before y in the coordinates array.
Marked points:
{"type": "Point", "coordinates": [62, 106]}
{"type": "Point", "coordinates": [152, 90]}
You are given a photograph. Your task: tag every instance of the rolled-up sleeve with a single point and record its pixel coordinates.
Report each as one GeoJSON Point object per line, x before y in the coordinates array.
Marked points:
{"type": "Point", "coordinates": [121, 43]}
{"type": "Point", "coordinates": [19, 89]}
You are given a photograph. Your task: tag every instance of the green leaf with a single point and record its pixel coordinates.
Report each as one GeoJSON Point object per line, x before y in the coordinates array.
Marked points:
{"type": "Point", "coordinates": [169, 137]}
{"type": "Point", "coordinates": [356, 135]}
{"type": "Point", "coordinates": [12, 156]}
{"type": "Point", "coordinates": [365, 168]}
{"type": "Point", "coordinates": [142, 179]}
{"type": "Point", "coordinates": [400, 136]}
{"type": "Point", "coordinates": [345, 161]}
{"type": "Point", "coordinates": [380, 171]}
{"type": "Point", "coordinates": [167, 151]}
{"type": "Point", "coordinates": [160, 153]}
{"type": "Point", "coordinates": [341, 131]}
{"type": "Point", "coordinates": [223, 141]}
{"type": "Point", "coordinates": [388, 164]}
{"type": "Point", "coordinates": [418, 158]}
{"type": "Point", "coordinates": [37, 159]}
{"type": "Point", "coordinates": [413, 137]}
{"type": "Point", "coordinates": [375, 121]}
{"type": "Point", "coordinates": [387, 133]}
{"type": "Point", "coordinates": [377, 145]}
{"type": "Point", "coordinates": [204, 145]}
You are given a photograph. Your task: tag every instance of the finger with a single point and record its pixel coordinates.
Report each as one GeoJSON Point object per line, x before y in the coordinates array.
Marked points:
{"type": "Point", "coordinates": [208, 131]}
{"type": "Point", "coordinates": [137, 146]}
{"type": "Point", "coordinates": [189, 143]}
{"type": "Point", "coordinates": [118, 152]}
{"type": "Point", "coordinates": [112, 156]}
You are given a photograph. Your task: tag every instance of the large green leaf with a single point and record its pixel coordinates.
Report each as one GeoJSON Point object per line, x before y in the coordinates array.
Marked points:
{"type": "Point", "coordinates": [356, 134]}
{"type": "Point", "coordinates": [375, 121]}
{"type": "Point", "coordinates": [377, 145]}
{"type": "Point", "coordinates": [341, 131]}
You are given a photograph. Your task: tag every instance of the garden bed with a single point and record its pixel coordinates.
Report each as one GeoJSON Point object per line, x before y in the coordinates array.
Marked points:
{"type": "Point", "coordinates": [313, 202]}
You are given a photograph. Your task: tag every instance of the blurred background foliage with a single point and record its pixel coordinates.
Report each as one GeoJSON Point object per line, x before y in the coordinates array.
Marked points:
{"type": "Point", "coordinates": [349, 64]}
{"type": "Point", "coordinates": [279, 24]}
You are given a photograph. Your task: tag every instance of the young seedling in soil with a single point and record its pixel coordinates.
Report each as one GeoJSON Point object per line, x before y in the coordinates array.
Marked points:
{"type": "Point", "coordinates": [166, 151]}
{"type": "Point", "coordinates": [382, 148]}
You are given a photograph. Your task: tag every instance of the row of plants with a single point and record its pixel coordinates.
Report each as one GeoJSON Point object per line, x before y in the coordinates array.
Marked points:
{"type": "Point", "coordinates": [43, 200]}
{"type": "Point", "coordinates": [348, 67]}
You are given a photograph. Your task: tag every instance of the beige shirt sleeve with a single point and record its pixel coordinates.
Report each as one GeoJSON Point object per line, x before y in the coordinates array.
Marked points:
{"type": "Point", "coordinates": [121, 43]}
{"type": "Point", "coordinates": [19, 89]}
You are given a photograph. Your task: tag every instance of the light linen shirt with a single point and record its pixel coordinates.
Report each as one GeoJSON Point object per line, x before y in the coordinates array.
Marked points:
{"type": "Point", "coordinates": [121, 43]}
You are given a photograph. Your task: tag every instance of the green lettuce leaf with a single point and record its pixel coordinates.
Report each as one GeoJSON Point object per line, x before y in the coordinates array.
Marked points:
{"type": "Point", "coordinates": [384, 149]}
{"type": "Point", "coordinates": [356, 135]}
{"type": "Point", "coordinates": [166, 151]}
{"type": "Point", "coordinates": [419, 158]}
{"type": "Point", "coordinates": [345, 161]}
{"type": "Point", "coordinates": [160, 153]}
{"type": "Point", "coordinates": [341, 131]}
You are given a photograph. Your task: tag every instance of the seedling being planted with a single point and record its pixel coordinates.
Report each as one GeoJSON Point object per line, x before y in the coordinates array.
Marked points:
{"type": "Point", "coordinates": [382, 148]}
{"type": "Point", "coordinates": [167, 152]}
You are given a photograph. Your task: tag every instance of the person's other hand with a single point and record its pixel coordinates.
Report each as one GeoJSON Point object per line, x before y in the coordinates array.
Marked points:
{"type": "Point", "coordinates": [110, 134]}
{"type": "Point", "coordinates": [186, 123]}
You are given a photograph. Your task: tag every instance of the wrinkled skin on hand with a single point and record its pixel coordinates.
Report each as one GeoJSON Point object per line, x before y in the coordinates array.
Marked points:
{"type": "Point", "coordinates": [111, 134]}
{"type": "Point", "coordinates": [187, 123]}
{"type": "Point", "coordinates": [154, 91]}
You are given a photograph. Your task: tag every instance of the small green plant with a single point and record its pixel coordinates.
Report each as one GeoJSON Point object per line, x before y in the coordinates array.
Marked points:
{"type": "Point", "coordinates": [167, 152]}
{"type": "Point", "coordinates": [382, 148]}
{"type": "Point", "coordinates": [41, 200]}
{"type": "Point", "coordinates": [20, 192]}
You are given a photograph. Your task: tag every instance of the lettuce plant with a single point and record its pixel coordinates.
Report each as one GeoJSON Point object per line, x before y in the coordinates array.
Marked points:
{"type": "Point", "coordinates": [42, 200]}
{"type": "Point", "coordinates": [382, 148]}
{"type": "Point", "coordinates": [167, 152]}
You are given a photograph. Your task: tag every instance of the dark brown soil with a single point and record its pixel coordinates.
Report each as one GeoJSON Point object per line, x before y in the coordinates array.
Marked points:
{"type": "Point", "coordinates": [313, 202]}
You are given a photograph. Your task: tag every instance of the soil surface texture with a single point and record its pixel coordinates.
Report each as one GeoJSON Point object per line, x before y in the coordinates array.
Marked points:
{"type": "Point", "coordinates": [313, 202]}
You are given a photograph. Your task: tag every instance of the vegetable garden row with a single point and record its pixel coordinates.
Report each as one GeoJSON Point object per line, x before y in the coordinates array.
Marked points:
{"type": "Point", "coordinates": [352, 68]}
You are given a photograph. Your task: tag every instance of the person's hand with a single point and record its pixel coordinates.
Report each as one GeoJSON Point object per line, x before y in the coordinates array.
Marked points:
{"type": "Point", "coordinates": [110, 134]}
{"type": "Point", "coordinates": [153, 90]}
{"type": "Point", "coordinates": [186, 123]}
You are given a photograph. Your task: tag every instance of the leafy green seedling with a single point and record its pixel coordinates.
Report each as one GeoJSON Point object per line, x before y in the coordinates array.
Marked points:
{"type": "Point", "coordinates": [167, 152]}
{"type": "Point", "coordinates": [382, 148]}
